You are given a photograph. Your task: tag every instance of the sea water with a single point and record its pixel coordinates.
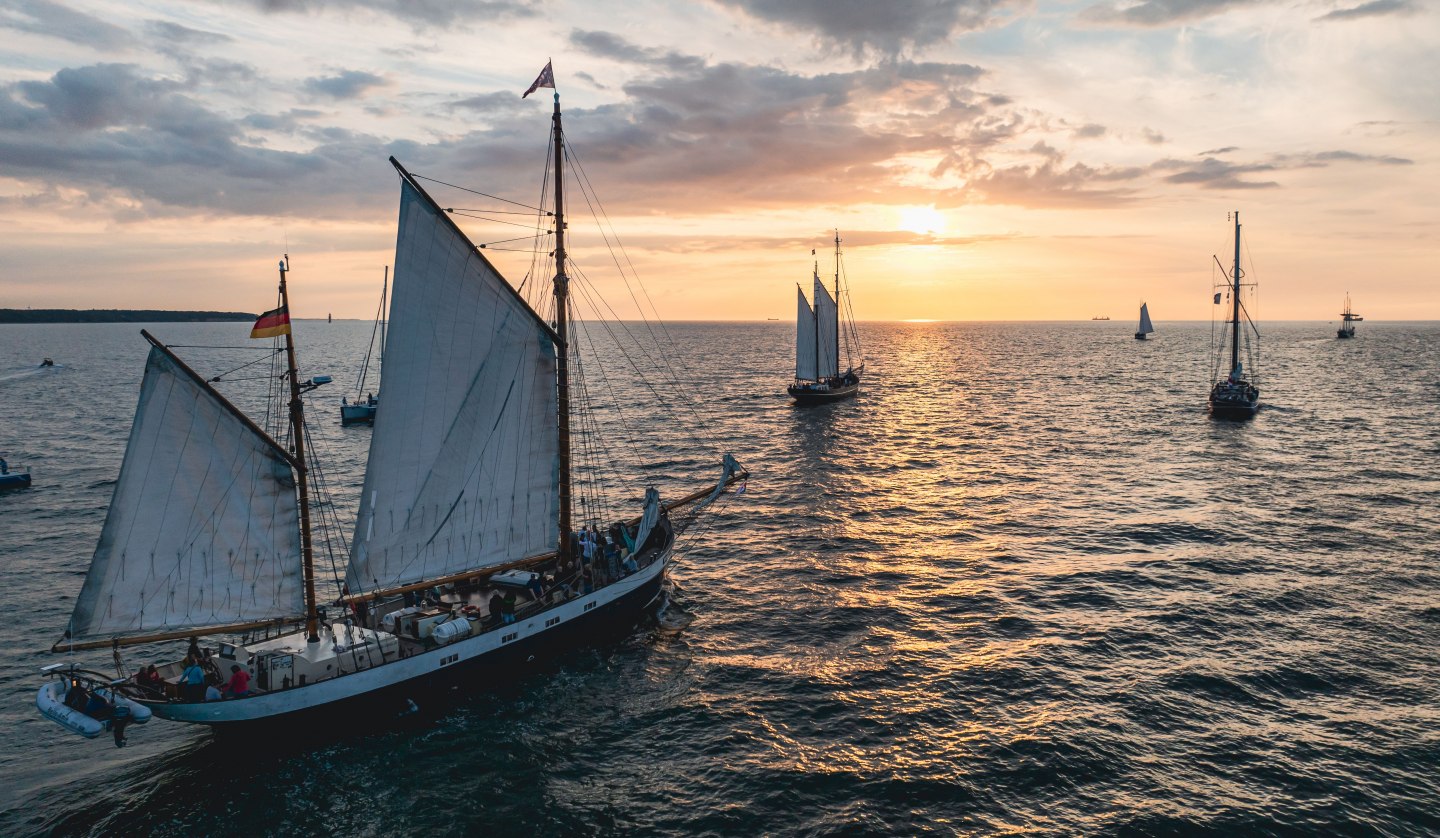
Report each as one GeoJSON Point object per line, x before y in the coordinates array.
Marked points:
{"type": "Point", "coordinates": [1022, 584]}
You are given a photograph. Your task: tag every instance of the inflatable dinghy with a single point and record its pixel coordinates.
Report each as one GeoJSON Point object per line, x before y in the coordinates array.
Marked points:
{"type": "Point", "coordinates": [111, 711]}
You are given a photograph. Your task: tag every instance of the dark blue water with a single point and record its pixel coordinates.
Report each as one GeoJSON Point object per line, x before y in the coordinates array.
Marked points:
{"type": "Point", "coordinates": [1022, 585]}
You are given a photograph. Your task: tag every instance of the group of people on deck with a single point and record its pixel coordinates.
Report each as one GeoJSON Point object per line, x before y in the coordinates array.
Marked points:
{"type": "Point", "coordinates": [200, 678]}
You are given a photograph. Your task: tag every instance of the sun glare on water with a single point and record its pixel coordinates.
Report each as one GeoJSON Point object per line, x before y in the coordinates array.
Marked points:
{"type": "Point", "coordinates": [922, 220]}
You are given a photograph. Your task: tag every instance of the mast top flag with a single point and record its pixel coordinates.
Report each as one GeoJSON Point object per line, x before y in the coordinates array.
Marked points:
{"type": "Point", "coordinates": [545, 79]}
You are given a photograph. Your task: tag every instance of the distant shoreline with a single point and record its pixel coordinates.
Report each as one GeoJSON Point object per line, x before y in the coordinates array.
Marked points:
{"type": "Point", "coordinates": [119, 315]}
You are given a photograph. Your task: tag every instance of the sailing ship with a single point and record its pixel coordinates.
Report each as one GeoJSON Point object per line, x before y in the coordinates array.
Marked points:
{"type": "Point", "coordinates": [1348, 319]}
{"type": "Point", "coordinates": [1235, 396]}
{"type": "Point", "coordinates": [361, 411]}
{"type": "Point", "coordinates": [469, 493]}
{"type": "Point", "coordinates": [818, 334]}
{"type": "Point", "coordinates": [1146, 327]}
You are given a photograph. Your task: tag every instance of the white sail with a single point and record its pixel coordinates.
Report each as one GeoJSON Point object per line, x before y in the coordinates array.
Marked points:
{"type": "Point", "coordinates": [1145, 326]}
{"type": "Point", "coordinates": [648, 519]}
{"type": "Point", "coordinates": [827, 329]}
{"type": "Point", "coordinates": [204, 526]}
{"type": "Point", "coordinates": [804, 339]}
{"type": "Point", "coordinates": [463, 471]}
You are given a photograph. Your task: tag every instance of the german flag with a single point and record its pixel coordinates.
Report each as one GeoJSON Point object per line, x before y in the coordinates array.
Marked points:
{"type": "Point", "coordinates": [272, 324]}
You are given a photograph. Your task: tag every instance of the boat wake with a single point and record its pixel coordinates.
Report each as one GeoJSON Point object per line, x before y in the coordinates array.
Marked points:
{"type": "Point", "coordinates": [28, 371]}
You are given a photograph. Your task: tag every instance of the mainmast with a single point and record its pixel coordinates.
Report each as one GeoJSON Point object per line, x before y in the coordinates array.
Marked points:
{"type": "Point", "coordinates": [297, 426]}
{"type": "Point", "coordinates": [837, 300]}
{"type": "Point", "coordinates": [562, 366]}
{"type": "Point", "coordinates": [1235, 301]}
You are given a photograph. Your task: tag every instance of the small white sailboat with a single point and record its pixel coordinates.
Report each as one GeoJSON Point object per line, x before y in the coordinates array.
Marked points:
{"type": "Point", "coordinates": [471, 478]}
{"type": "Point", "coordinates": [1146, 327]}
{"type": "Point", "coordinates": [361, 410]}
{"type": "Point", "coordinates": [1236, 395]}
{"type": "Point", "coordinates": [820, 333]}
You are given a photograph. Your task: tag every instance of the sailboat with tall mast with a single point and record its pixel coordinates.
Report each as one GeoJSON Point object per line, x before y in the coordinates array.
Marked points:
{"type": "Point", "coordinates": [361, 411]}
{"type": "Point", "coordinates": [468, 558]}
{"type": "Point", "coordinates": [1348, 319]}
{"type": "Point", "coordinates": [1146, 327]}
{"type": "Point", "coordinates": [1236, 395]}
{"type": "Point", "coordinates": [820, 332]}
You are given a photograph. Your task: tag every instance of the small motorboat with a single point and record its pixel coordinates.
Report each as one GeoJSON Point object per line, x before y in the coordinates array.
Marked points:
{"type": "Point", "coordinates": [13, 479]}
{"type": "Point", "coordinates": [86, 703]}
{"type": "Point", "coordinates": [47, 363]}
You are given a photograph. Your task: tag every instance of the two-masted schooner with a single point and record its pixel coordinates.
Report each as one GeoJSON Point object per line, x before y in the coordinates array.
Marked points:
{"type": "Point", "coordinates": [1236, 395]}
{"type": "Point", "coordinates": [820, 333]}
{"type": "Point", "coordinates": [468, 554]}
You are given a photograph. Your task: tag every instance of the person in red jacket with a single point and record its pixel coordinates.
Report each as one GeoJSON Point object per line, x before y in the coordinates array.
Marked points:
{"type": "Point", "coordinates": [239, 684]}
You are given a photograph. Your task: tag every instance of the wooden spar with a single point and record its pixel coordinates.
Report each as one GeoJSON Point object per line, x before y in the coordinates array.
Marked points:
{"type": "Point", "coordinates": [63, 646]}
{"type": "Point", "coordinates": [1235, 319]}
{"type": "Point", "coordinates": [224, 402]}
{"type": "Point", "coordinates": [562, 354]}
{"type": "Point", "coordinates": [540, 558]}
{"type": "Point", "coordinates": [528, 560]}
{"type": "Point", "coordinates": [693, 496]}
{"type": "Point", "coordinates": [297, 425]}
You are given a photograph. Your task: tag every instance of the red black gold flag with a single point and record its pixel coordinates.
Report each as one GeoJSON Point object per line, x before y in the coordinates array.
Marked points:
{"type": "Point", "coordinates": [272, 323]}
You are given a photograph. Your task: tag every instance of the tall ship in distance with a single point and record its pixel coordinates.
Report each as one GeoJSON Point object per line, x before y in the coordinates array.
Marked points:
{"type": "Point", "coordinates": [485, 538]}
{"type": "Point", "coordinates": [1235, 394]}
{"type": "Point", "coordinates": [822, 333]}
{"type": "Point", "coordinates": [1348, 319]}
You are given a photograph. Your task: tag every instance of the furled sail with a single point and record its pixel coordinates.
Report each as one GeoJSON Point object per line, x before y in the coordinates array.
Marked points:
{"type": "Point", "coordinates": [804, 339]}
{"type": "Point", "coordinates": [827, 327]}
{"type": "Point", "coordinates": [1145, 326]}
{"type": "Point", "coordinates": [464, 457]}
{"type": "Point", "coordinates": [204, 527]}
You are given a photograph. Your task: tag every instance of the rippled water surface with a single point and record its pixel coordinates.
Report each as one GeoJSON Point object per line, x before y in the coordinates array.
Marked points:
{"type": "Point", "coordinates": [1022, 585]}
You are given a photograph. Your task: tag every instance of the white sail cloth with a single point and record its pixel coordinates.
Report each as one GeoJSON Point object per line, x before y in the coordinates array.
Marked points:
{"type": "Point", "coordinates": [805, 364]}
{"type": "Point", "coordinates": [827, 333]}
{"type": "Point", "coordinates": [203, 529]}
{"type": "Point", "coordinates": [463, 471]}
{"type": "Point", "coordinates": [1145, 325]}
{"type": "Point", "coordinates": [648, 519]}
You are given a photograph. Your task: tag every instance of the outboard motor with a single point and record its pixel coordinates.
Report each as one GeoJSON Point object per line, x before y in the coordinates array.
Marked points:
{"type": "Point", "coordinates": [119, 720]}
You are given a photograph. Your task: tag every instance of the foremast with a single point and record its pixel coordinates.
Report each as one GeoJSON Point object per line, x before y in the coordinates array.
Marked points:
{"type": "Point", "coordinates": [562, 359]}
{"type": "Point", "coordinates": [837, 302]}
{"type": "Point", "coordinates": [297, 429]}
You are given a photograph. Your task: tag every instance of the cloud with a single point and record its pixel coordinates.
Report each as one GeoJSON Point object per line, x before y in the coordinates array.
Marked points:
{"type": "Point", "coordinates": [1216, 152]}
{"type": "Point", "coordinates": [1051, 185]}
{"type": "Point", "coordinates": [608, 45]}
{"type": "Point", "coordinates": [173, 33]}
{"type": "Point", "coordinates": [1210, 173]}
{"type": "Point", "coordinates": [1090, 131]}
{"type": "Point", "coordinates": [347, 84]}
{"type": "Point", "coordinates": [1375, 8]}
{"type": "Point", "coordinates": [1156, 13]}
{"type": "Point", "coordinates": [1153, 137]}
{"type": "Point", "coordinates": [57, 20]}
{"type": "Point", "coordinates": [419, 13]}
{"type": "Point", "coordinates": [1323, 158]}
{"type": "Point", "coordinates": [858, 26]}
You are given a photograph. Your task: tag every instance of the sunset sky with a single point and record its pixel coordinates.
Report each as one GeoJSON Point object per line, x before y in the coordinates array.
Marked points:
{"type": "Point", "coordinates": [982, 159]}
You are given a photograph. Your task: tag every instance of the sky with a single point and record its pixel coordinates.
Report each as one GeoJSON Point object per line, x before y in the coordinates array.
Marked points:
{"type": "Point", "coordinates": [982, 159]}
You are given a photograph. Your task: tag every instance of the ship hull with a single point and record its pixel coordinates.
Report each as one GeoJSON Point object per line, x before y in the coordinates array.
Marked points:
{"type": "Point", "coordinates": [805, 395]}
{"type": "Point", "coordinates": [475, 663]}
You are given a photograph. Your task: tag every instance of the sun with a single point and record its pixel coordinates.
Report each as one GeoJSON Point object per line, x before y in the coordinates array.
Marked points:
{"type": "Point", "coordinates": [922, 220]}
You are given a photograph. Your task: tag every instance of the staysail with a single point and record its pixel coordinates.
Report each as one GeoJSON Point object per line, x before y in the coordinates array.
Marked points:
{"type": "Point", "coordinates": [805, 365]}
{"type": "Point", "coordinates": [464, 458]}
{"type": "Point", "coordinates": [1145, 327]}
{"type": "Point", "coordinates": [827, 328]}
{"type": "Point", "coordinates": [203, 529]}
